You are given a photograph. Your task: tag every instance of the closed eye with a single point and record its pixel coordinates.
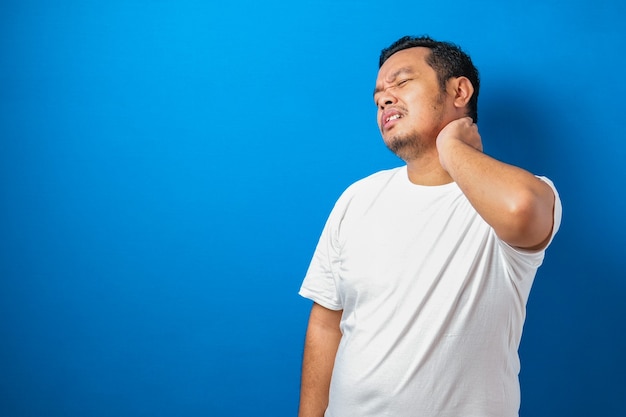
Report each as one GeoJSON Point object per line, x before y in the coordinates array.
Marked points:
{"type": "Point", "coordinates": [401, 83]}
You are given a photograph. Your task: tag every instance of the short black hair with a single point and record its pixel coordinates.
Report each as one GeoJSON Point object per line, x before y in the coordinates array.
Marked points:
{"type": "Point", "coordinates": [448, 61]}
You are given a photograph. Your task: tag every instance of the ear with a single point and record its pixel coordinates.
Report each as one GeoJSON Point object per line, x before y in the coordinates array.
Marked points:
{"type": "Point", "coordinates": [463, 91]}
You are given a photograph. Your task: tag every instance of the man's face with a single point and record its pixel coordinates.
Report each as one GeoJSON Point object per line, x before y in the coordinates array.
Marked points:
{"type": "Point", "coordinates": [412, 109]}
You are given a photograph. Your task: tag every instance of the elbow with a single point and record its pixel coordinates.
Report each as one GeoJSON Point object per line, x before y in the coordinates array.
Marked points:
{"type": "Point", "coordinates": [530, 220]}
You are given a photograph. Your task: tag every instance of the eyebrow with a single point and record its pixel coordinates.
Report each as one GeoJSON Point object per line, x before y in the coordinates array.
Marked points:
{"type": "Point", "coordinates": [392, 78]}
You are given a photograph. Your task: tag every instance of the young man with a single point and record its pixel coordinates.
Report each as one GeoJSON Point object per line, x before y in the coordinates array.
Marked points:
{"type": "Point", "coordinates": [421, 276]}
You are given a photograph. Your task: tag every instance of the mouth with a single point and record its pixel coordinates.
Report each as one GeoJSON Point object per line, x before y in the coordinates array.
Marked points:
{"type": "Point", "coordinates": [394, 117]}
{"type": "Point", "coordinates": [389, 118]}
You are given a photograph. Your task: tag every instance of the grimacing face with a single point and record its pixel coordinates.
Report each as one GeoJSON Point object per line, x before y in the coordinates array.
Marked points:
{"type": "Point", "coordinates": [411, 108]}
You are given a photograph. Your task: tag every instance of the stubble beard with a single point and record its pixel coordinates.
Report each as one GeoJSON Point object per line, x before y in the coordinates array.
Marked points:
{"type": "Point", "coordinates": [406, 147]}
{"type": "Point", "coordinates": [412, 145]}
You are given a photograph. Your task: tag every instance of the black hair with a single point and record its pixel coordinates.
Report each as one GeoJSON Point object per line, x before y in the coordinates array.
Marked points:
{"type": "Point", "coordinates": [448, 61]}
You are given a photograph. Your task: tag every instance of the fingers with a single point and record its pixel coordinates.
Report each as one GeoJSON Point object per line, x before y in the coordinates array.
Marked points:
{"type": "Point", "coordinates": [464, 130]}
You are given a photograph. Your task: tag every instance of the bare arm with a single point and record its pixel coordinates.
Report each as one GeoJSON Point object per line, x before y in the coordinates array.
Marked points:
{"type": "Point", "coordinates": [320, 347]}
{"type": "Point", "coordinates": [518, 205]}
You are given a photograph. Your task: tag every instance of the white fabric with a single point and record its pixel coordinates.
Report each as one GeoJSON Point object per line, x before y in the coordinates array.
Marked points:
{"type": "Point", "coordinates": [433, 302]}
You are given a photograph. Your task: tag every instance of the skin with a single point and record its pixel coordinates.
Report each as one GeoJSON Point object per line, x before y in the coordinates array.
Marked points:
{"type": "Point", "coordinates": [320, 348]}
{"type": "Point", "coordinates": [442, 144]}
{"type": "Point", "coordinates": [439, 144]}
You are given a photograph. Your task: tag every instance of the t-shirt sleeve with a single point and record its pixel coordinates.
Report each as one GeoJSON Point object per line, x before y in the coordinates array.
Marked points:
{"type": "Point", "coordinates": [320, 281]}
{"type": "Point", "coordinates": [558, 209]}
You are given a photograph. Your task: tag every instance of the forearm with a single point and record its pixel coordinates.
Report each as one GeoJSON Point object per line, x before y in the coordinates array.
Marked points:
{"type": "Point", "coordinates": [513, 201]}
{"type": "Point", "coordinates": [322, 340]}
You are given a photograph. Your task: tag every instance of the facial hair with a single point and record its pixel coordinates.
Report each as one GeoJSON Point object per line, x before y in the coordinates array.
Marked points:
{"type": "Point", "coordinates": [413, 144]}
{"type": "Point", "coordinates": [406, 147]}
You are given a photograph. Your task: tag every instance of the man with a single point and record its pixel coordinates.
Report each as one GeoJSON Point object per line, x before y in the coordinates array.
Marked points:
{"type": "Point", "coordinates": [421, 276]}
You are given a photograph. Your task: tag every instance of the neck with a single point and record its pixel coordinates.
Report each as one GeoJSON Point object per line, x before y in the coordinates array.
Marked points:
{"type": "Point", "coordinates": [427, 170]}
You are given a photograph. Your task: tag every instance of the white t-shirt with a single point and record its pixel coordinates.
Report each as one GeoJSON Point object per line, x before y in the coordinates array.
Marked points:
{"type": "Point", "coordinates": [433, 302]}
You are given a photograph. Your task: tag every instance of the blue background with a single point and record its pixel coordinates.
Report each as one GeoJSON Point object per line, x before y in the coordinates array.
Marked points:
{"type": "Point", "coordinates": [166, 169]}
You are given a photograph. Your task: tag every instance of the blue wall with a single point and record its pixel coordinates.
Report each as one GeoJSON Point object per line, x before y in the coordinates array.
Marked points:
{"type": "Point", "coordinates": [166, 168]}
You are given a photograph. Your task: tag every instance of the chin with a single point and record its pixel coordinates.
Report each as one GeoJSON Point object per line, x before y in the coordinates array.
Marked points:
{"type": "Point", "coordinates": [405, 147]}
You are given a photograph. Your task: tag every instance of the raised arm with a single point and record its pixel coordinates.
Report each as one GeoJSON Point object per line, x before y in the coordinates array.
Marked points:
{"type": "Point", "coordinates": [320, 348]}
{"type": "Point", "coordinates": [518, 205]}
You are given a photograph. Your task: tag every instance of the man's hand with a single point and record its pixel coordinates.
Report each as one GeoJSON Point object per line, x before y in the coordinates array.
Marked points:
{"type": "Point", "coordinates": [460, 130]}
{"type": "Point", "coordinates": [518, 205]}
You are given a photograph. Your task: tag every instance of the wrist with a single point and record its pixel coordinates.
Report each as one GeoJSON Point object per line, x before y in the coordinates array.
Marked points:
{"type": "Point", "coordinates": [445, 148]}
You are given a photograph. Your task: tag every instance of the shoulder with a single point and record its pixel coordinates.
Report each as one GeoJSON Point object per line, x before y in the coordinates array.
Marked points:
{"type": "Point", "coordinates": [362, 192]}
{"type": "Point", "coordinates": [373, 182]}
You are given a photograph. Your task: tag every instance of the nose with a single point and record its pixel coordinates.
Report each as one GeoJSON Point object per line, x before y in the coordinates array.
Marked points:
{"type": "Point", "coordinates": [386, 98]}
